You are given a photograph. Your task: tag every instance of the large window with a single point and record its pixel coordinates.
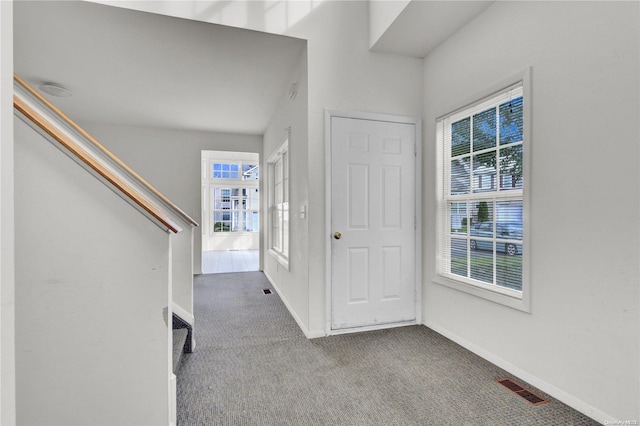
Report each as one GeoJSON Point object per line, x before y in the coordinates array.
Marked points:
{"type": "Point", "coordinates": [278, 186]}
{"type": "Point", "coordinates": [235, 209]}
{"type": "Point", "coordinates": [481, 196]}
{"type": "Point", "coordinates": [234, 197]}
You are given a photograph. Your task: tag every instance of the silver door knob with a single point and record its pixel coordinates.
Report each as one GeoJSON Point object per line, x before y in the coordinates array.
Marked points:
{"type": "Point", "coordinates": [337, 235]}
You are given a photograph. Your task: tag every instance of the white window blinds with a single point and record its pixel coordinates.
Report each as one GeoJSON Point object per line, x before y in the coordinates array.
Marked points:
{"type": "Point", "coordinates": [480, 193]}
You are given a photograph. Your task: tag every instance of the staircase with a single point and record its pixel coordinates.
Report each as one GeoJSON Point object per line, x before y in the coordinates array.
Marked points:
{"type": "Point", "coordinates": [101, 252]}
{"type": "Point", "coordinates": [183, 341]}
{"type": "Point", "coordinates": [179, 341]}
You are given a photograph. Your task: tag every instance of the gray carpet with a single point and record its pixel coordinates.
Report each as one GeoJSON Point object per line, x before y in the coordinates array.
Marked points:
{"type": "Point", "coordinates": [179, 338]}
{"type": "Point", "coordinates": [253, 366]}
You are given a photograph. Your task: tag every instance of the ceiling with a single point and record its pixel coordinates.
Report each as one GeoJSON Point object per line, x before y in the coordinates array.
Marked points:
{"type": "Point", "coordinates": [424, 25]}
{"type": "Point", "coordinates": [135, 68]}
{"type": "Point", "coordinates": [130, 67]}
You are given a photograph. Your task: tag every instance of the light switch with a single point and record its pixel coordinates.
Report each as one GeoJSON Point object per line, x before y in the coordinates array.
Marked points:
{"type": "Point", "coordinates": [303, 211]}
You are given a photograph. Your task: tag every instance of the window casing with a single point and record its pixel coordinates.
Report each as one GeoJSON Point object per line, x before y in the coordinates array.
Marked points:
{"type": "Point", "coordinates": [481, 227]}
{"type": "Point", "coordinates": [278, 188]}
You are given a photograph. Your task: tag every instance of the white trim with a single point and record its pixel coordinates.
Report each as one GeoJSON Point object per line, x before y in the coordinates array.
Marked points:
{"type": "Point", "coordinates": [418, 220]}
{"type": "Point", "coordinates": [173, 404]}
{"type": "Point", "coordinates": [544, 386]}
{"type": "Point", "coordinates": [327, 218]}
{"type": "Point", "coordinates": [280, 256]}
{"type": "Point", "coordinates": [417, 123]}
{"type": "Point", "coordinates": [493, 295]}
{"type": "Point", "coordinates": [7, 226]}
{"type": "Point", "coordinates": [182, 313]}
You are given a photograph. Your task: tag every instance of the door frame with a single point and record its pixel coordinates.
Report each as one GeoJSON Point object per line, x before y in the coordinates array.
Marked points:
{"type": "Point", "coordinates": [329, 114]}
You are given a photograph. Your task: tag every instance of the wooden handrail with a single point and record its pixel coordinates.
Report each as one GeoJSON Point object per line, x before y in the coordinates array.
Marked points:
{"type": "Point", "coordinates": [94, 165]}
{"type": "Point", "coordinates": [108, 153]}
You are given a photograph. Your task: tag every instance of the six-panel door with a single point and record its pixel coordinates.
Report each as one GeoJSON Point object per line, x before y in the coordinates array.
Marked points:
{"type": "Point", "coordinates": [373, 209]}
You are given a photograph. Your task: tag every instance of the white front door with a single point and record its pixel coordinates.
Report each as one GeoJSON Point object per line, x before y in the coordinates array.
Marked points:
{"type": "Point", "coordinates": [373, 223]}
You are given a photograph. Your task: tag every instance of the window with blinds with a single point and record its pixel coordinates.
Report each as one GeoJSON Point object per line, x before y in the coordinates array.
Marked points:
{"type": "Point", "coordinates": [480, 193]}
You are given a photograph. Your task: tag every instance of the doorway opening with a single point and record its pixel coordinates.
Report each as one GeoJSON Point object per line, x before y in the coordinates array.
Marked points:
{"type": "Point", "coordinates": [230, 212]}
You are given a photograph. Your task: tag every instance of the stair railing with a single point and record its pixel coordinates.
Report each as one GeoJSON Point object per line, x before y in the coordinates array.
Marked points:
{"type": "Point", "coordinates": [68, 136]}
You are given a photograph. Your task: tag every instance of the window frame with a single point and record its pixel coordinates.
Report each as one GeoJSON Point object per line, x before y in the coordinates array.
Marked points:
{"type": "Point", "coordinates": [520, 300]}
{"type": "Point", "coordinates": [239, 184]}
{"type": "Point", "coordinates": [279, 160]}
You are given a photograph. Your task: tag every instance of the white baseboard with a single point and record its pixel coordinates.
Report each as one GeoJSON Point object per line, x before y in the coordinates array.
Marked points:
{"type": "Point", "coordinates": [173, 413]}
{"type": "Point", "coordinates": [315, 334]}
{"type": "Point", "coordinates": [548, 388]}
{"type": "Point", "coordinates": [182, 313]}
{"type": "Point", "coordinates": [291, 311]}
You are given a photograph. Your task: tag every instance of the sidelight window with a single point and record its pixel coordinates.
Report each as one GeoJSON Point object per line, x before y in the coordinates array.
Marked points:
{"type": "Point", "coordinates": [278, 186]}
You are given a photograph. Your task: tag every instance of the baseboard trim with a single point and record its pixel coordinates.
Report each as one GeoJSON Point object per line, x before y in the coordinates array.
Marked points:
{"type": "Point", "coordinates": [290, 309]}
{"type": "Point", "coordinates": [315, 334]}
{"type": "Point", "coordinates": [173, 401]}
{"type": "Point", "coordinates": [546, 387]}
{"type": "Point", "coordinates": [182, 313]}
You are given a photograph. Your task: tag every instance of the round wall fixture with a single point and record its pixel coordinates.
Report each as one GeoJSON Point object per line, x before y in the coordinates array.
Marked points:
{"type": "Point", "coordinates": [54, 89]}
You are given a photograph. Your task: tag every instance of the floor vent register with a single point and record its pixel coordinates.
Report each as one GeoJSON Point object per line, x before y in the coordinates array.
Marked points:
{"type": "Point", "coordinates": [522, 392]}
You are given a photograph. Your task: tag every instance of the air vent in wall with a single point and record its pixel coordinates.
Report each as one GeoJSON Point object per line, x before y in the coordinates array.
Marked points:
{"type": "Point", "coordinates": [524, 393]}
{"type": "Point", "coordinates": [266, 291]}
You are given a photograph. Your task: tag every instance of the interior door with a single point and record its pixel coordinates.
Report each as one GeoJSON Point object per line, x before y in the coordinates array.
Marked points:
{"type": "Point", "coordinates": [373, 222]}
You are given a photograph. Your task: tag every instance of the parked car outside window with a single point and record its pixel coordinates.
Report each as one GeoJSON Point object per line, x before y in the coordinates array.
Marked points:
{"type": "Point", "coordinates": [504, 231]}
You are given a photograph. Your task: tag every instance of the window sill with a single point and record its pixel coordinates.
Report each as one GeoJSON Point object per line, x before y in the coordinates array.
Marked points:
{"type": "Point", "coordinates": [284, 261]}
{"type": "Point", "coordinates": [519, 301]}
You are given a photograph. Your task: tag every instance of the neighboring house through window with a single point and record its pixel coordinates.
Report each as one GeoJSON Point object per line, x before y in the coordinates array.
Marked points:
{"type": "Point", "coordinates": [234, 197]}
{"type": "Point", "coordinates": [481, 211]}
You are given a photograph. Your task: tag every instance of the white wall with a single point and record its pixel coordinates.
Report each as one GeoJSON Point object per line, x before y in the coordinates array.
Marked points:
{"type": "Point", "coordinates": [92, 296]}
{"type": "Point", "coordinates": [343, 74]}
{"type": "Point", "coordinates": [581, 340]}
{"type": "Point", "coordinates": [291, 284]}
{"type": "Point", "coordinates": [382, 13]}
{"type": "Point", "coordinates": [7, 299]}
{"type": "Point", "coordinates": [170, 161]}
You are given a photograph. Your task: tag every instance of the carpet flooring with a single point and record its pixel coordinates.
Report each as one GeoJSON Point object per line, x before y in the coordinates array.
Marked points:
{"type": "Point", "coordinates": [253, 366]}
